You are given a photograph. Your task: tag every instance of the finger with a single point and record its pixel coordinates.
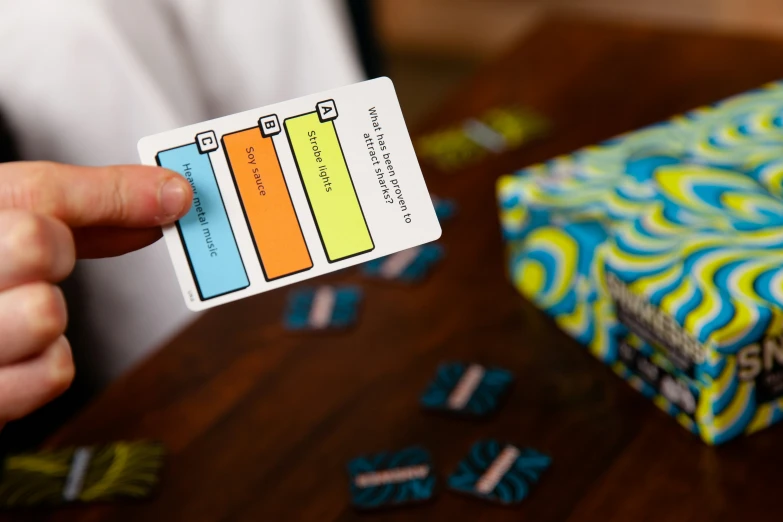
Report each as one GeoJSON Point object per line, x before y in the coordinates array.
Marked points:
{"type": "Point", "coordinates": [26, 386]}
{"type": "Point", "coordinates": [112, 241]}
{"type": "Point", "coordinates": [32, 317]}
{"type": "Point", "coordinates": [123, 196]}
{"type": "Point", "coordinates": [33, 247]}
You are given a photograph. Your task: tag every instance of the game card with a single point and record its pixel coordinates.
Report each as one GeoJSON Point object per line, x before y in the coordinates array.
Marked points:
{"type": "Point", "coordinates": [292, 191]}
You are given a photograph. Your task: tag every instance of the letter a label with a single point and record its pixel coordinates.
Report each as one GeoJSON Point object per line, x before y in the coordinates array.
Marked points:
{"type": "Point", "coordinates": [327, 110]}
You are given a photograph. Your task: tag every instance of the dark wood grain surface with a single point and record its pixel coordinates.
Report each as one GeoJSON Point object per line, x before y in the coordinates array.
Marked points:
{"type": "Point", "coordinates": [260, 422]}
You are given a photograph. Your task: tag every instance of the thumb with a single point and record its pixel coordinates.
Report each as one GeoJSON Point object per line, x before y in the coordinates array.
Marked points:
{"type": "Point", "coordinates": [120, 196]}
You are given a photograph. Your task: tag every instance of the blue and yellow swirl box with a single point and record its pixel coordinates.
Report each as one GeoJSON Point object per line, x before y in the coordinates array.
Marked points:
{"type": "Point", "coordinates": [661, 250]}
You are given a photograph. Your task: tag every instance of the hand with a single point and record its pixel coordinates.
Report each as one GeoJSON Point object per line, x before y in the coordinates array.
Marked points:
{"type": "Point", "coordinates": [50, 214]}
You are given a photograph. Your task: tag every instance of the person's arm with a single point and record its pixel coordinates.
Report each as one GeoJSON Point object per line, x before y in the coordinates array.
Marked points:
{"type": "Point", "coordinates": [50, 214]}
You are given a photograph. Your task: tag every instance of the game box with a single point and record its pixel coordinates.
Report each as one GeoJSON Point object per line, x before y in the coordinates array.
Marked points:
{"type": "Point", "coordinates": [661, 250]}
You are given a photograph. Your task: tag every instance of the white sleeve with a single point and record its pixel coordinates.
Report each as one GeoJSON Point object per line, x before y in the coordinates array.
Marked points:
{"type": "Point", "coordinates": [76, 89]}
{"type": "Point", "coordinates": [249, 53]}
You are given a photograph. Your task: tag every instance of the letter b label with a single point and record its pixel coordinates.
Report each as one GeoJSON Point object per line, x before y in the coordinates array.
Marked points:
{"type": "Point", "coordinates": [269, 125]}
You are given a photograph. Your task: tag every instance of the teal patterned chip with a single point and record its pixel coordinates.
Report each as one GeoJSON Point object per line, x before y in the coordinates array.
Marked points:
{"type": "Point", "coordinates": [499, 472]}
{"type": "Point", "coordinates": [391, 479]}
{"type": "Point", "coordinates": [445, 209]}
{"type": "Point", "coordinates": [409, 266]}
{"type": "Point", "coordinates": [469, 389]}
{"type": "Point", "coordinates": [322, 308]}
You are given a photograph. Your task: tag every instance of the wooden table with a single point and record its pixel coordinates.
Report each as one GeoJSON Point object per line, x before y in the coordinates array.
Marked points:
{"type": "Point", "coordinates": [260, 423]}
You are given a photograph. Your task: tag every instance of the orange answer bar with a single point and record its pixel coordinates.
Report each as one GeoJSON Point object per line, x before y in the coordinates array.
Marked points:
{"type": "Point", "coordinates": [267, 204]}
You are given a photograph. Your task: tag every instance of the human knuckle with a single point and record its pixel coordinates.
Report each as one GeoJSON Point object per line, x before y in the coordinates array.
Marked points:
{"type": "Point", "coordinates": [62, 370]}
{"type": "Point", "coordinates": [60, 379]}
{"type": "Point", "coordinates": [115, 197]}
{"type": "Point", "coordinates": [46, 313]}
{"type": "Point", "coordinates": [35, 191]}
{"type": "Point", "coordinates": [29, 243]}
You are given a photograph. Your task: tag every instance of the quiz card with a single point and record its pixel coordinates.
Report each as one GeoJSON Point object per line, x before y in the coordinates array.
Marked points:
{"type": "Point", "coordinates": [292, 191]}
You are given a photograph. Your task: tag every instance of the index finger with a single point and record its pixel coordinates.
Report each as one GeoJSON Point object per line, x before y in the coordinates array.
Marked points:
{"type": "Point", "coordinates": [121, 196]}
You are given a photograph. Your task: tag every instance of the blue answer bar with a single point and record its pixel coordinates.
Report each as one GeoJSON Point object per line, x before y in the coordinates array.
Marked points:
{"type": "Point", "coordinates": [205, 230]}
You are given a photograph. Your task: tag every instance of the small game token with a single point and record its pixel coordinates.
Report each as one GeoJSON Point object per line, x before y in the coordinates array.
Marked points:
{"type": "Point", "coordinates": [391, 479]}
{"type": "Point", "coordinates": [496, 131]}
{"type": "Point", "coordinates": [122, 470]}
{"type": "Point", "coordinates": [499, 472]}
{"type": "Point", "coordinates": [445, 209]}
{"type": "Point", "coordinates": [469, 389]}
{"type": "Point", "coordinates": [409, 266]}
{"type": "Point", "coordinates": [323, 307]}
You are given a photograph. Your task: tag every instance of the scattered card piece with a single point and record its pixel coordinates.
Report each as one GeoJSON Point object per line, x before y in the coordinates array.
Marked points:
{"type": "Point", "coordinates": [499, 472]}
{"type": "Point", "coordinates": [322, 308]}
{"type": "Point", "coordinates": [293, 191]}
{"type": "Point", "coordinates": [445, 209]}
{"type": "Point", "coordinates": [496, 131]}
{"type": "Point", "coordinates": [469, 389]}
{"type": "Point", "coordinates": [391, 479]}
{"type": "Point", "coordinates": [121, 470]}
{"type": "Point", "coordinates": [409, 266]}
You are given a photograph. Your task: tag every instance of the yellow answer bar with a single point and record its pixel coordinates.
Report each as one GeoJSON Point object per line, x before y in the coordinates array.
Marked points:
{"type": "Point", "coordinates": [329, 187]}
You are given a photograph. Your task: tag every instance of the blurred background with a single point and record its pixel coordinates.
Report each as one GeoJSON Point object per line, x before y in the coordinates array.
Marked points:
{"type": "Point", "coordinates": [431, 45]}
{"type": "Point", "coordinates": [428, 47]}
